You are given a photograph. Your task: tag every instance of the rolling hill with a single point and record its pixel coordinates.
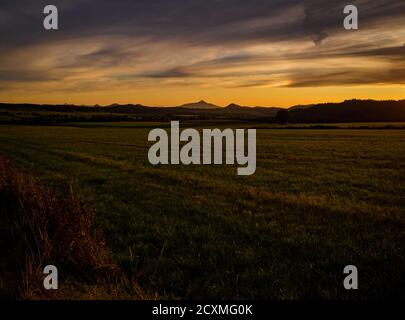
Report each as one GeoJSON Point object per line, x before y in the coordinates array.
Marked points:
{"type": "Point", "coordinates": [347, 111]}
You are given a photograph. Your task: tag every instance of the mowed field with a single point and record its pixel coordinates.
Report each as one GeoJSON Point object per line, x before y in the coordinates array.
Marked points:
{"type": "Point", "coordinates": [320, 200]}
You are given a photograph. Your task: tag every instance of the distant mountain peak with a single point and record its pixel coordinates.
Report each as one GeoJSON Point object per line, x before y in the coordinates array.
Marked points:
{"type": "Point", "coordinates": [199, 105]}
{"type": "Point", "coordinates": [233, 106]}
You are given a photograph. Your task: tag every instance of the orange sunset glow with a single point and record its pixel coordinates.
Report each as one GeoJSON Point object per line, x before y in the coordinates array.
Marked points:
{"type": "Point", "coordinates": [257, 54]}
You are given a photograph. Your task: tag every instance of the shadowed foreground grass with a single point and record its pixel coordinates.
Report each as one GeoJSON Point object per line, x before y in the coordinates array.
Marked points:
{"type": "Point", "coordinates": [39, 227]}
{"type": "Point", "coordinates": [320, 200]}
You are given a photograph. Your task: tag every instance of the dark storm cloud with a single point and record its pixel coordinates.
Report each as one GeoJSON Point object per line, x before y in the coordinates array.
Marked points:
{"type": "Point", "coordinates": [194, 21]}
{"type": "Point", "coordinates": [395, 53]}
{"type": "Point", "coordinates": [171, 73]}
{"type": "Point", "coordinates": [193, 69]}
{"type": "Point", "coordinates": [105, 57]}
{"type": "Point", "coordinates": [25, 76]}
{"type": "Point", "coordinates": [353, 77]}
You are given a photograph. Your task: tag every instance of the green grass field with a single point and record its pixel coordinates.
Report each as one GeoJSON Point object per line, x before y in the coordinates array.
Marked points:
{"type": "Point", "coordinates": [320, 200]}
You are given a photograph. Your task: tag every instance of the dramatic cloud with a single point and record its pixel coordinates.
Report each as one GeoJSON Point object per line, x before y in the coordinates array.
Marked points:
{"type": "Point", "coordinates": [137, 44]}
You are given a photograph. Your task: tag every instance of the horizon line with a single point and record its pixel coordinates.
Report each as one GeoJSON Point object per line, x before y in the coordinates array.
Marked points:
{"type": "Point", "coordinates": [190, 103]}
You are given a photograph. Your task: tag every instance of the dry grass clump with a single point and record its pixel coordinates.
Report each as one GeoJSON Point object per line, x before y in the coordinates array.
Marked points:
{"type": "Point", "coordinates": [40, 226]}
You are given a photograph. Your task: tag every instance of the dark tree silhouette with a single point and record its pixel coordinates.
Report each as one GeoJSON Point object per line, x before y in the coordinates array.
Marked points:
{"type": "Point", "coordinates": [282, 116]}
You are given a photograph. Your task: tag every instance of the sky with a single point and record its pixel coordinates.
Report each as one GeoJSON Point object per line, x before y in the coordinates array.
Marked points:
{"type": "Point", "coordinates": [170, 52]}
